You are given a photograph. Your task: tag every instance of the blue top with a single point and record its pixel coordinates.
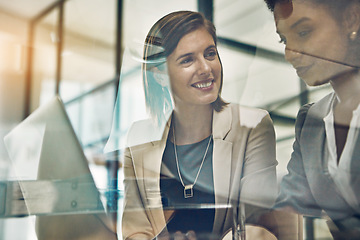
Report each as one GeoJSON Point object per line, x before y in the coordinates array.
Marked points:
{"type": "Point", "coordinates": [188, 216]}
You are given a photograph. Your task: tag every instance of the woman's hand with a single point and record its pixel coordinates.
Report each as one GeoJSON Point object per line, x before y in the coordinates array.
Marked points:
{"type": "Point", "coordinates": [190, 235]}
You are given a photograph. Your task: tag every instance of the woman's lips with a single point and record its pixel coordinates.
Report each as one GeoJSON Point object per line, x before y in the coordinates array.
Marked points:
{"type": "Point", "coordinates": [203, 84]}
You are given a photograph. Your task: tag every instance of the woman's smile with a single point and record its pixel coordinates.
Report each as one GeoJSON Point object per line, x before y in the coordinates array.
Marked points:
{"type": "Point", "coordinates": [204, 85]}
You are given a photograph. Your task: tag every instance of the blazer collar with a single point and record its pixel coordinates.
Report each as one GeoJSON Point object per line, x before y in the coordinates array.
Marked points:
{"type": "Point", "coordinates": [222, 123]}
{"type": "Point", "coordinates": [313, 132]}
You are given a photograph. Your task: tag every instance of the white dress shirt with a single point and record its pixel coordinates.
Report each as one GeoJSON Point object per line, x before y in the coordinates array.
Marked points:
{"type": "Point", "coordinates": [340, 173]}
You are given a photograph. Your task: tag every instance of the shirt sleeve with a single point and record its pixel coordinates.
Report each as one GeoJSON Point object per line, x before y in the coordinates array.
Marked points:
{"type": "Point", "coordinates": [259, 183]}
{"type": "Point", "coordinates": [294, 188]}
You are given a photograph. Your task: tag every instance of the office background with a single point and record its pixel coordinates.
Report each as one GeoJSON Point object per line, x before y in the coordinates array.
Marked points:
{"type": "Point", "coordinates": [80, 49]}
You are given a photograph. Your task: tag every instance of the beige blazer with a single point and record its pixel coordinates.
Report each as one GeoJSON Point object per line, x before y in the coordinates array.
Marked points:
{"type": "Point", "coordinates": [244, 164]}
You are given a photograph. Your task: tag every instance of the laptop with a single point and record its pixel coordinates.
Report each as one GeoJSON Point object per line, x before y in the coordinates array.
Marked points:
{"type": "Point", "coordinates": [52, 171]}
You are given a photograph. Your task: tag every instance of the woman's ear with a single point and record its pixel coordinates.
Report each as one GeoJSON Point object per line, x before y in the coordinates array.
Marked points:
{"type": "Point", "coordinates": [161, 76]}
{"type": "Point", "coordinates": [351, 19]}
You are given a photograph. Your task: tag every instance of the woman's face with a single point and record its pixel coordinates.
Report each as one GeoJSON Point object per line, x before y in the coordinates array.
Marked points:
{"type": "Point", "coordinates": [316, 45]}
{"type": "Point", "coordinates": [194, 69]}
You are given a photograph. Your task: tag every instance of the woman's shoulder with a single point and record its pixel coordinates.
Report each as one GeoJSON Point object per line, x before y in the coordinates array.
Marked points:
{"type": "Point", "coordinates": [251, 111]}
{"type": "Point", "coordinates": [144, 131]}
{"type": "Point", "coordinates": [248, 116]}
{"type": "Point", "coordinates": [319, 109]}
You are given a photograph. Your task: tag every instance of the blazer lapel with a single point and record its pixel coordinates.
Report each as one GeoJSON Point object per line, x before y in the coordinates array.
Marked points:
{"type": "Point", "coordinates": [151, 166]}
{"type": "Point", "coordinates": [313, 137]}
{"type": "Point", "coordinates": [355, 161]}
{"type": "Point", "coordinates": [314, 150]}
{"type": "Point", "coordinates": [222, 155]}
{"type": "Point", "coordinates": [355, 168]}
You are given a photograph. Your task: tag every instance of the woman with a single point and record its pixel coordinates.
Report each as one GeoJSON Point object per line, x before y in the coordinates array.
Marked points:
{"type": "Point", "coordinates": [210, 152]}
{"type": "Point", "coordinates": [322, 43]}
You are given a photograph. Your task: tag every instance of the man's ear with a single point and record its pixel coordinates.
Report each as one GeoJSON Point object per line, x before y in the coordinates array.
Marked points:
{"type": "Point", "coordinates": [351, 18]}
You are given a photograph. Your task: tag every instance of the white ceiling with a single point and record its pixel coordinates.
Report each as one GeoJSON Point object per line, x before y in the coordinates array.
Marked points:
{"type": "Point", "coordinates": [25, 8]}
{"type": "Point", "coordinates": [242, 20]}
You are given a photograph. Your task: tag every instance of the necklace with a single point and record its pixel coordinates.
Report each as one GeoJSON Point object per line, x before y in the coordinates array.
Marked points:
{"type": "Point", "coordinates": [188, 189]}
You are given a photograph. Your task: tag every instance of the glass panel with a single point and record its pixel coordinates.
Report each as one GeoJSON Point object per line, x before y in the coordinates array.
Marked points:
{"type": "Point", "coordinates": [81, 54]}
{"type": "Point", "coordinates": [88, 56]}
{"type": "Point", "coordinates": [91, 116]}
{"type": "Point", "coordinates": [87, 86]}
{"type": "Point", "coordinates": [13, 49]}
{"type": "Point", "coordinates": [44, 60]}
{"type": "Point", "coordinates": [255, 74]}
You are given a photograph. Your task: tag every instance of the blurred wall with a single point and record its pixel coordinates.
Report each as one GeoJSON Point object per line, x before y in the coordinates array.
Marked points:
{"type": "Point", "coordinates": [13, 48]}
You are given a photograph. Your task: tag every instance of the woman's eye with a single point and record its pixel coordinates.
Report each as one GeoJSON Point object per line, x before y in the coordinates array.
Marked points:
{"type": "Point", "coordinates": [303, 34]}
{"type": "Point", "coordinates": [211, 55]}
{"type": "Point", "coordinates": [186, 60]}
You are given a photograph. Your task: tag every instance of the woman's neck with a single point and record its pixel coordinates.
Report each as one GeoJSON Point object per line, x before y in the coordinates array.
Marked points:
{"type": "Point", "coordinates": [191, 124]}
{"type": "Point", "coordinates": [347, 88]}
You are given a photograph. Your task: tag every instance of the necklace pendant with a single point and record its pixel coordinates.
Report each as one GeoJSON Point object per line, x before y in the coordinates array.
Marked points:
{"type": "Point", "coordinates": [188, 191]}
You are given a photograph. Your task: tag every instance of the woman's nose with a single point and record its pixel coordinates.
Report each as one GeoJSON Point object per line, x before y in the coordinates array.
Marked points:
{"type": "Point", "coordinates": [204, 67]}
{"type": "Point", "coordinates": [292, 55]}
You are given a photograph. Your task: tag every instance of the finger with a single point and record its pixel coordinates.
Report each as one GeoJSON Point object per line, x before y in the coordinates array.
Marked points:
{"type": "Point", "coordinates": [191, 235]}
{"type": "Point", "coordinates": [179, 236]}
